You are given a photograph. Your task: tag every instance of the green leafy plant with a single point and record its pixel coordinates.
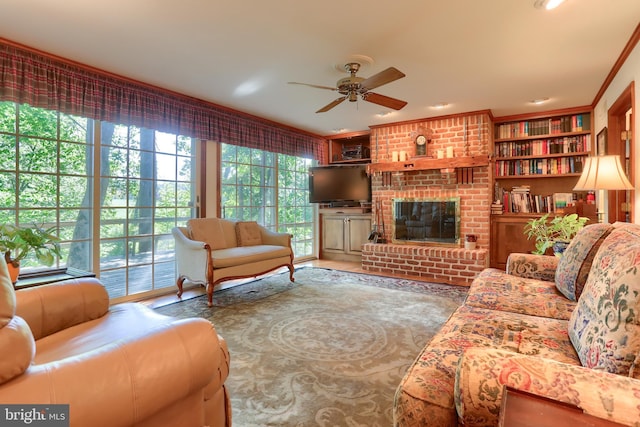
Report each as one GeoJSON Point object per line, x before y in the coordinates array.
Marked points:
{"type": "Point", "coordinates": [559, 229]}
{"type": "Point", "coordinates": [17, 242]}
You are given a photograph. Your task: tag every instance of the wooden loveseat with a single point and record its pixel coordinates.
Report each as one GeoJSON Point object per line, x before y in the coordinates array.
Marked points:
{"type": "Point", "coordinates": [212, 250]}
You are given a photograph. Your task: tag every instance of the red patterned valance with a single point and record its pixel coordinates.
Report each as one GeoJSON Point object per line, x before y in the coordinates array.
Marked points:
{"type": "Point", "coordinates": [43, 81]}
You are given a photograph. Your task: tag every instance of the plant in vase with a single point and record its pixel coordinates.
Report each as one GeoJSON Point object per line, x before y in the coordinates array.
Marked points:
{"type": "Point", "coordinates": [555, 233]}
{"type": "Point", "coordinates": [17, 242]}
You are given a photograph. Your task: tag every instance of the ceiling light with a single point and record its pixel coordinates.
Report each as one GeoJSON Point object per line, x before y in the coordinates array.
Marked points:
{"type": "Point", "coordinates": [338, 130]}
{"type": "Point", "coordinates": [440, 106]}
{"type": "Point", "coordinates": [547, 4]}
{"type": "Point", "coordinates": [539, 101]}
{"type": "Point", "coordinates": [384, 113]}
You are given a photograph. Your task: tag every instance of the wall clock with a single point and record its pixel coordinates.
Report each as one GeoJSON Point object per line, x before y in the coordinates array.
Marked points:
{"type": "Point", "coordinates": [421, 145]}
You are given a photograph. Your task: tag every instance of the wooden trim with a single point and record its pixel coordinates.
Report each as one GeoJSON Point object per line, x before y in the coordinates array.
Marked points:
{"type": "Point", "coordinates": [631, 44]}
{"type": "Point", "coordinates": [348, 135]}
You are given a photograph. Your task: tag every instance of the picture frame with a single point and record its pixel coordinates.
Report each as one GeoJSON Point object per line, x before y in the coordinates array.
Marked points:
{"type": "Point", "coordinates": [601, 142]}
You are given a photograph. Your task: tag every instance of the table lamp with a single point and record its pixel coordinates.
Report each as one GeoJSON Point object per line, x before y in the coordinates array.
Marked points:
{"type": "Point", "coordinates": [603, 173]}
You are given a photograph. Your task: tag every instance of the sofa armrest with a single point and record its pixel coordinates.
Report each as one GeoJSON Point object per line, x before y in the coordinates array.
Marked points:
{"type": "Point", "coordinates": [531, 266]}
{"type": "Point", "coordinates": [51, 308]}
{"type": "Point", "coordinates": [274, 238]}
{"type": "Point", "coordinates": [482, 373]}
{"type": "Point", "coordinates": [127, 381]}
{"type": "Point", "coordinates": [192, 256]}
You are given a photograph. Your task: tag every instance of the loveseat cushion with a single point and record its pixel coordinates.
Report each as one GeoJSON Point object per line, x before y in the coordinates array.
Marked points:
{"type": "Point", "coordinates": [496, 290]}
{"type": "Point", "coordinates": [208, 230]}
{"type": "Point", "coordinates": [575, 263]}
{"type": "Point", "coordinates": [241, 255]}
{"type": "Point", "coordinates": [426, 393]}
{"type": "Point", "coordinates": [248, 233]}
{"type": "Point", "coordinates": [605, 326]}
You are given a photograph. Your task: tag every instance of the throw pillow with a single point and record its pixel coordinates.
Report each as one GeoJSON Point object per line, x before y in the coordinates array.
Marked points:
{"type": "Point", "coordinates": [248, 233]}
{"type": "Point", "coordinates": [208, 230]}
{"type": "Point", "coordinates": [575, 263]}
{"type": "Point", "coordinates": [604, 328]}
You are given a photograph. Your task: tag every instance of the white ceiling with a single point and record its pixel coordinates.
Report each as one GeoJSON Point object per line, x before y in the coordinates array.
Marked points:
{"type": "Point", "coordinates": [471, 54]}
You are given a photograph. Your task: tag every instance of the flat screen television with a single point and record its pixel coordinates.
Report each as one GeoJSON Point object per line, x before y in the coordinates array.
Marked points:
{"type": "Point", "coordinates": [339, 185]}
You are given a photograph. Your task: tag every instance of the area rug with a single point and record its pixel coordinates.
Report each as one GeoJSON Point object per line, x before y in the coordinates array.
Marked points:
{"type": "Point", "coordinates": [327, 350]}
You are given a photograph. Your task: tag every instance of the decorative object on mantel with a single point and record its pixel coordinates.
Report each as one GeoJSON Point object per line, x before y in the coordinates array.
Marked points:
{"type": "Point", "coordinates": [421, 138]}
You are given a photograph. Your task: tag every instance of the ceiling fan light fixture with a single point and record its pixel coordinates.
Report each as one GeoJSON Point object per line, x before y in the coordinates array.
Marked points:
{"type": "Point", "coordinates": [539, 101]}
{"type": "Point", "coordinates": [547, 4]}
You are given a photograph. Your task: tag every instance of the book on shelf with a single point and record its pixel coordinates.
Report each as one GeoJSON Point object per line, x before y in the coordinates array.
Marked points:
{"type": "Point", "coordinates": [562, 200]}
{"type": "Point", "coordinates": [550, 126]}
{"type": "Point", "coordinates": [543, 166]}
{"type": "Point", "coordinates": [541, 147]}
{"type": "Point", "coordinates": [520, 200]}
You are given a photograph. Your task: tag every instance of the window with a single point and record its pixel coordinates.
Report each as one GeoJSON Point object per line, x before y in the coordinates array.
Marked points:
{"type": "Point", "coordinates": [145, 186]}
{"type": "Point", "coordinates": [270, 188]}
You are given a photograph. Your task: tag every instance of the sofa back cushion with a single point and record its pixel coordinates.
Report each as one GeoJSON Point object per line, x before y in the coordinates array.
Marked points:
{"type": "Point", "coordinates": [248, 233]}
{"type": "Point", "coordinates": [575, 263]}
{"type": "Point", "coordinates": [208, 230]}
{"type": "Point", "coordinates": [604, 328]}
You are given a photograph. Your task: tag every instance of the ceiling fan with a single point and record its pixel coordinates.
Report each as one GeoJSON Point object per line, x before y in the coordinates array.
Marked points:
{"type": "Point", "coordinates": [352, 86]}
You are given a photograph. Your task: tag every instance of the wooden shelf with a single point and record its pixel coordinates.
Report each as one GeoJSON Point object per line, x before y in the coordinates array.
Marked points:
{"type": "Point", "coordinates": [535, 176]}
{"type": "Point", "coordinates": [541, 137]}
{"type": "Point", "coordinates": [545, 156]}
{"type": "Point", "coordinates": [428, 163]}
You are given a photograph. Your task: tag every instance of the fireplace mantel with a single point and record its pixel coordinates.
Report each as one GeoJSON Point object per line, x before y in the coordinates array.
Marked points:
{"type": "Point", "coordinates": [426, 163]}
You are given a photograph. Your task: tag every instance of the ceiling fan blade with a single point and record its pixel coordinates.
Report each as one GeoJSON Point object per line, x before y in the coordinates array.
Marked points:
{"type": "Point", "coordinates": [382, 78]}
{"type": "Point", "coordinates": [316, 86]}
{"type": "Point", "coordinates": [385, 101]}
{"type": "Point", "coordinates": [331, 104]}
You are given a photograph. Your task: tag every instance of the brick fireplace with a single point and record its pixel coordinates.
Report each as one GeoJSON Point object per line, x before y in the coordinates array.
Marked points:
{"type": "Point", "coordinates": [467, 135]}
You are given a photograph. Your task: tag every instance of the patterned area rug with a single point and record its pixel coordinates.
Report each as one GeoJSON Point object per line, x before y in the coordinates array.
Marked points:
{"type": "Point", "coordinates": [327, 350]}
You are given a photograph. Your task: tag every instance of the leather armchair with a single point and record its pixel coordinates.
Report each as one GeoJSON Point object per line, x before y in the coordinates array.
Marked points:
{"type": "Point", "coordinates": [123, 365]}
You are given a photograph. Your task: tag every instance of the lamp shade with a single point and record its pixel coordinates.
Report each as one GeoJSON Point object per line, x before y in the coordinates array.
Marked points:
{"type": "Point", "coordinates": [603, 173]}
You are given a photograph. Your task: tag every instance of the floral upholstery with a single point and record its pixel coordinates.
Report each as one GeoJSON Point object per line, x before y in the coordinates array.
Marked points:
{"type": "Point", "coordinates": [482, 373]}
{"type": "Point", "coordinates": [605, 326]}
{"type": "Point", "coordinates": [531, 266]}
{"type": "Point", "coordinates": [496, 290]}
{"type": "Point", "coordinates": [427, 391]}
{"type": "Point", "coordinates": [575, 263]}
{"type": "Point", "coordinates": [519, 330]}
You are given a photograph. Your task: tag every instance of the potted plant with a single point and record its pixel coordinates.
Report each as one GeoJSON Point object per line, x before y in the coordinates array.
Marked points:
{"type": "Point", "coordinates": [17, 242]}
{"type": "Point", "coordinates": [555, 233]}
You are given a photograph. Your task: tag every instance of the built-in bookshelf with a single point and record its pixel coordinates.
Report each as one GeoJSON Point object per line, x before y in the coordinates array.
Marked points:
{"type": "Point", "coordinates": [537, 162]}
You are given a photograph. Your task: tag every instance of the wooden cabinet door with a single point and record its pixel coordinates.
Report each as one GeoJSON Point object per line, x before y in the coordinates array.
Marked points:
{"type": "Point", "coordinates": [507, 236]}
{"type": "Point", "coordinates": [359, 228]}
{"type": "Point", "coordinates": [333, 232]}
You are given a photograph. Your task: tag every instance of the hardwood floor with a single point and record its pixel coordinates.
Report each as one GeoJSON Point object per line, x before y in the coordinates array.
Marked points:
{"type": "Point", "coordinates": [158, 301]}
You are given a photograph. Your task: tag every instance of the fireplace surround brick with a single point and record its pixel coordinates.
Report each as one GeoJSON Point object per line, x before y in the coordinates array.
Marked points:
{"type": "Point", "coordinates": [452, 264]}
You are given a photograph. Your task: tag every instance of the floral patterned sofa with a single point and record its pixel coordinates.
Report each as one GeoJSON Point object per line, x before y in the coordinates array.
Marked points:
{"type": "Point", "coordinates": [564, 328]}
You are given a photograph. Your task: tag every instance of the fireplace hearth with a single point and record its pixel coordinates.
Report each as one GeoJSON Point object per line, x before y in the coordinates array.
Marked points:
{"type": "Point", "coordinates": [427, 221]}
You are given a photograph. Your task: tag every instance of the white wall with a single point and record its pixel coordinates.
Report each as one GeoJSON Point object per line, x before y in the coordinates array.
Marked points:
{"type": "Point", "coordinates": [629, 72]}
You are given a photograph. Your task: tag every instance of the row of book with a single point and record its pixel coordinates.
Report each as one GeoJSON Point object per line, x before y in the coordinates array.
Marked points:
{"type": "Point", "coordinates": [552, 126]}
{"type": "Point", "coordinates": [552, 166]}
{"type": "Point", "coordinates": [539, 147]}
{"type": "Point", "coordinates": [520, 200]}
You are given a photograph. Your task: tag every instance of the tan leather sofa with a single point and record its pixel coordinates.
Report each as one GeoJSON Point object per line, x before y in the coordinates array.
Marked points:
{"type": "Point", "coordinates": [212, 250]}
{"type": "Point", "coordinates": [123, 365]}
